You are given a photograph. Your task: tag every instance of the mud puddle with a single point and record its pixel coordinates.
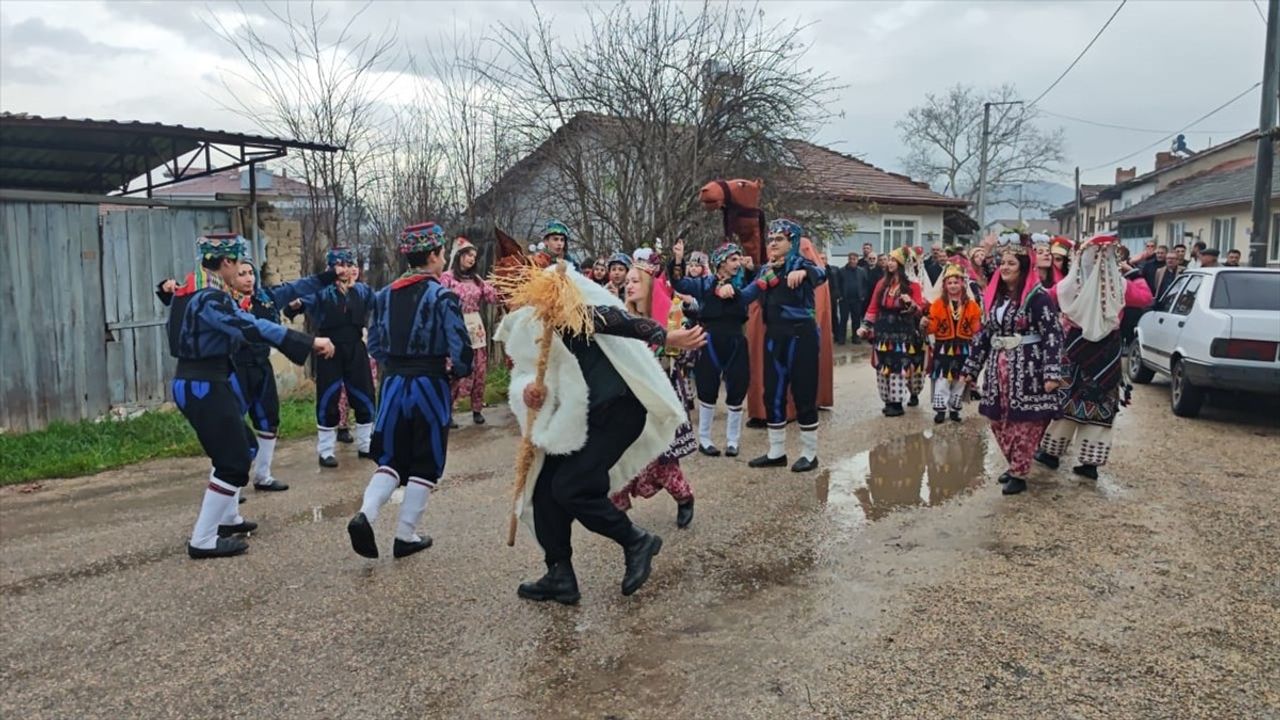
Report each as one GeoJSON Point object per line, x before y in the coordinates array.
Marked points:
{"type": "Point", "coordinates": [922, 469]}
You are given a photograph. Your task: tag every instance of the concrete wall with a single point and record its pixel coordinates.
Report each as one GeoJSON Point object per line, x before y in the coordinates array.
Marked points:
{"type": "Point", "coordinates": [1200, 222]}
{"type": "Point", "coordinates": [857, 227]}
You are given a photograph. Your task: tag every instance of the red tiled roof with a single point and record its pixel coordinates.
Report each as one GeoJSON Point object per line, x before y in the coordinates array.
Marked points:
{"type": "Point", "coordinates": [843, 177]}
{"type": "Point", "coordinates": [228, 183]}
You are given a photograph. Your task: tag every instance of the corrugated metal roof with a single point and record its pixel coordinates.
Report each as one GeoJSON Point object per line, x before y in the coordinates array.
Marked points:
{"type": "Point", "coordinates": [99, 156]}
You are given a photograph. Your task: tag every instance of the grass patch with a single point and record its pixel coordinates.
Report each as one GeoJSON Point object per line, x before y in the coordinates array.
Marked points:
{"type": "Point", "coordinates": [84, 448]}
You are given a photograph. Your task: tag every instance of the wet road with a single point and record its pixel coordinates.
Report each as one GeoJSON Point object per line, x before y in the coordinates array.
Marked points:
{"type": "Point", "coordinates": [894, 582]}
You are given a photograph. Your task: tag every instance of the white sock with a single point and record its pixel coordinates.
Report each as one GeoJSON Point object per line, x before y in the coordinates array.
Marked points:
{"type": "Point", "coordinates": [378, 492]}
{"type": "Point", "coordinates": [262, 465]}
{"type": "Point", "coordinates": [233, 513]}
{"type": "Point", "coordinates": [809, 444]}
{"type": "Point", "coordinates": [326, 441]}
{"type": "Point", "coordinates": [733, 427]}
{"type": "Point", "coordinates": [219, 499]}
{"type": "Point", "coordinates": [363, 434]}
{"type": "Point", "coordinates": [777, 442]}
{"type": "Point", "coordinates": [416, 494]}
{"type": "Point", "coordinates": [706, 416]}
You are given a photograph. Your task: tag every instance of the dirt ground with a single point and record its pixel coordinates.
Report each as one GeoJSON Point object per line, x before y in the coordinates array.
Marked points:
{"type": "Point", "coordinates": [894, 582]}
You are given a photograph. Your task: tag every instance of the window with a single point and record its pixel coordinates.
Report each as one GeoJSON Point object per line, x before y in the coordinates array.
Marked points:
{"type": "Point", "coordinates": [1166, 301]}
{"type": "Point", "coordinates": [1188, 297]}
{"type": "Point", "coordinates": [1224, 234]}
{"type": "Point", "coordinates": [897, 232]}
{"type": "Point", "coordinates": [1246, 291]}
{"type": "Point", "coordinates": [1176, 230]}
{"type": "Point", "coordinates": [1137, 231]}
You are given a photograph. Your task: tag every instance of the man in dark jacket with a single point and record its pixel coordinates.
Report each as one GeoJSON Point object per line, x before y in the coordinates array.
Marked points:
{"type": "Point", "coordinates": [851, 279]}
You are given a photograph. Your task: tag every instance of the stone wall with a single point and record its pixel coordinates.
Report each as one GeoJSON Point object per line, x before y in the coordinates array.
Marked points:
{"type": "Point", "coordinates": [282, 239]}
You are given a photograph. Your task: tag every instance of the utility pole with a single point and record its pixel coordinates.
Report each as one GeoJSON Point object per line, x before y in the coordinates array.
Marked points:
{"type": "Point", "coordinates": [1265, 159]}
{"type": "Point", "coordinates": [1077, 209]}
{"type": "Point", "coordinates": [982, 167]}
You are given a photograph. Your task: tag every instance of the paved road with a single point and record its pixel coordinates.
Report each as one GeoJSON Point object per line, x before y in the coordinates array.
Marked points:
{"type": "Point", "coordinates": [895, 582]}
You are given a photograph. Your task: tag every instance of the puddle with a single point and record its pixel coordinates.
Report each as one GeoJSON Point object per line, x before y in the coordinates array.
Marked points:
{"type": "Point", "coordinates": [917, 470]}
{"type": "Point", "coordinates": [342, 510]}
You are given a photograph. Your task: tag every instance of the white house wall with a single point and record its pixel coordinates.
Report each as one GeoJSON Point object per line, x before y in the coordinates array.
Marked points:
{"type": "Point", "coordinates": [860, 227]}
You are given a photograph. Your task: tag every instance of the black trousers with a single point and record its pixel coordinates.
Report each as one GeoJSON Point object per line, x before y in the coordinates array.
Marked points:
{"type": "Point", "coordinates": [791, 363]}
{"type": "Point", "coordinates": [724, 357]}
{"type": "Point", "coordinates": [215, 409]}
{"type": "Point", "coordinates": [349, 368]}
{"type": "Point", "coordinates": [258, 383]}
{"type": "Point", "coordinates": [576, 486]}
{"type": "Point", "coordinates": [411, 434]}
{"type": "Point", "coordinates": [849, 317]}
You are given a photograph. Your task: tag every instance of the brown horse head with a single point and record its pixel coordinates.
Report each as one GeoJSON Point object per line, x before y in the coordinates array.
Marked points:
{"type": "Point", "coordinates": [740, 193]}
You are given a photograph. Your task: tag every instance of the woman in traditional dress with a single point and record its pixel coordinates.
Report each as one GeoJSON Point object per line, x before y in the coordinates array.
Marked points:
{"type": "Point", "coordinates": [473, 292]}
{"type": "Point", "coordinates": [1020, 346]}
{"type": "Point", "coordinates": [893, 320]}
{"type": "Point", "coordinates": [953, 320]}
{"type": "Point", "coordinates": [649, 299]}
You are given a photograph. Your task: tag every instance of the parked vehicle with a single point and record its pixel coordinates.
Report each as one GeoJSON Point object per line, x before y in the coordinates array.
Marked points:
{"type": "Point", "coordinates": [1214, 329]}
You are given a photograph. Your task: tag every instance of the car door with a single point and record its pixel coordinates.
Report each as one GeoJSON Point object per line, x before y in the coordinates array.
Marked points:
{"type": "Point", "coordinates": [1181, 311]}
{"type": "Point", "coordinates": [1159, 330]}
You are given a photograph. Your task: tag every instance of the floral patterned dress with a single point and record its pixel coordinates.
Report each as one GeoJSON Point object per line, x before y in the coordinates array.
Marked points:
{"type": "Point", "coordinates": [664, 472]}
{"type": "Point", "coordinates": [473, 293]}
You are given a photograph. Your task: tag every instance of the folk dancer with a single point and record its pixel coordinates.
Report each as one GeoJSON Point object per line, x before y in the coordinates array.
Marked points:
{"type": "Point", "coordinates": [341, 312]}
{"type": "Point", "coordinates": [892, 321]}
{"type": "Point", "coordinates": [206, 329]}
{"type": "Point", "coordinates": [1020, 346]}
{"type": "Point", "coordinates": [606, 411]}
{"type": "Point", "coordinates": [417, 331]}
{"type": "Point", "coordinates": [785, 288]}
{"type": "Point", "coordinates": [473, 292]}
{"type": "Point", "coordinates": [953, 320]}
{"type": "Point", "coordinates": [1093, 297]}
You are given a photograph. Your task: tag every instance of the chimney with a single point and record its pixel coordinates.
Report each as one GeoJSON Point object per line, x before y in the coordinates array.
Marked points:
{"type": "Point", "coordinates": [1123, 175]}
{"type": "Point", "coordinates": [1164, 160]}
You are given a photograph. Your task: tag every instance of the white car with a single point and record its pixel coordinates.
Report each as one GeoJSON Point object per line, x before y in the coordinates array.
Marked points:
{"type": "Point", "coordinates": [1214, 328]}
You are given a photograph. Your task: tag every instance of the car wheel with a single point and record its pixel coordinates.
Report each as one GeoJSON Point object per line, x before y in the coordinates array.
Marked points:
{"type": "Point", "coordinates": [1185, 397]}
{"type": "Point", "coordinates": [1139, 374]}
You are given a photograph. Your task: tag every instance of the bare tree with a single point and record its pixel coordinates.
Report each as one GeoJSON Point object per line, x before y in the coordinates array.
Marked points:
{"type": "Point", "coordinates": [944, 141]}
{"type": "Point", "coordinates": [652, 103]}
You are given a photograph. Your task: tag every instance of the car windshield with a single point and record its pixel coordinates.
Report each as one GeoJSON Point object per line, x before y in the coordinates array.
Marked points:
{"type": "Point", "coordinates": [1246, 291]}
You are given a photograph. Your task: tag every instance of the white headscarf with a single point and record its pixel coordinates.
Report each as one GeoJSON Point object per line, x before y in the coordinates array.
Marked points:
{"type": "Point", "coordinates": [1092, 294]}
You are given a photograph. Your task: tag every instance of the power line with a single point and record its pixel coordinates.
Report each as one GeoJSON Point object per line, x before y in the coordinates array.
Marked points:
{"type": "Point", "coordinates": [1191, 124]}
{"type": "Point", "coordinates": [1123, 127]}
{"type": "Point", "coordinates": [1082, 52]}
{"type": "Point", "coordinates": [1261, 17]}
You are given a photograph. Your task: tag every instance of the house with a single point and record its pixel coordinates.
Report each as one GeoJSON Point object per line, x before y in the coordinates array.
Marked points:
{"type": "Point", "coordinates": [283, 192]}
{"type": "Point", "coordinates": [1214, 206]}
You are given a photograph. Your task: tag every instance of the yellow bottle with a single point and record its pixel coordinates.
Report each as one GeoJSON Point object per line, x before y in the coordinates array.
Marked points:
{"type": "Point", "coordinates": [675, 320]}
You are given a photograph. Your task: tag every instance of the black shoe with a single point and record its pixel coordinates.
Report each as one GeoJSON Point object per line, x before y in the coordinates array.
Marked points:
{"type": "Point", "coordinates": [226, 547]}
{"type": "Point", "coordinates": [885, 410]}
{"type": "Point", "coordinates": [940, 417]}
{"type": "Point", "coordinates": [240, 528]}
{"type": "Point", "coordinates": [1086, 470]}
{"type": "Point", "coordinates": [271, 485]}
{"type": "Point", "coordinates": [894, 410]}
{"type": "Point", "coordinates": [684, 514]}
{"type": "Point", "coordinates": [709, 450]}
{"type": "Point", "coordinates": [1014, 486]}
{"type": "Point", "coordinates": [240, 501]}
{"type": "Point", "coordinates": [913, 401]}
{"type": "Point", "coordinates": [955, 416]}
{"type": "Point", "coordinates": [361, 533]}
{"type": "Point", "coordinates": [559, 584]}
{"type": "Point", "coordinates": [638, 555]}
{"type": "Point", "coordinates": [404, 548]}
{"type": "Point", "coordinates": [840, 342]}
{"type": "Point", "coordinates": [453, 424]}
{"type": "Point", "coordinates": [1004, 478]}
{"type": "Point", "coordinates": [731, 451]}
{"type": "Point", "coordinates": [805, 464]}
{"type": "Point", "coordinates": [364, 455]}
{"type": "Point", "coordinates": [764, 461]}
{"type": "Point", "coordinates": [1047, 460]}
{"type": "Point", "coordinates": [329, 461]}
{"type": "Point", "coordinates": [757, 423]}
{"type": "Point", "coordinates": [344, 436]}
{"type": "Point", "coordinates": [477, 418]}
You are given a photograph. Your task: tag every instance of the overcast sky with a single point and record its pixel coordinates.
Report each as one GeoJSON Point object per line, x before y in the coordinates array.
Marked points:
{"type": "Point", "coordinates": [1159, 65]}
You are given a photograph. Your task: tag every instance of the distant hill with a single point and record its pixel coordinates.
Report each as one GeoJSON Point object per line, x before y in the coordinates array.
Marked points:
{"type": "Point", "coordinates": [1038, 199]}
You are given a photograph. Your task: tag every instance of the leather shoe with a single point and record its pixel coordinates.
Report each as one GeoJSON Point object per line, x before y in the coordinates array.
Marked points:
{"type": "Point", "coordinates": [453, 424]}
{"type": "Point", "coordinates": [329, 461]}
{"type": "Point", "coordinates": [939, 417]}
{"type": "Point", "coordinates": [477, 418]}
{"type": "Point", "coordinates": [731, 451]}
{"type": "Point", "coordinates": [684, 514]}
{"type": "Point", "coordinates": [913, 401]}
{"type": "Point", "coordinates": [226, 547]}
{"type": "Point", "coordinates": [364, 455]}
{"type": "Point", "coordinates": [638, 554]}
{"type": "Point", "coordinates": [344, 436]}
{"type": "Point", "coordinates": [1047, 460]}
{"type": "Point", "coordinates": [1086, 470]}
{"type": "Point", "coordinates": [405, 548]}
{"type": "Point", "coordinates": [240, 528]}
{"type": "Point", "coordinates": [1004, 477]}
{"type": "Point", "coordinates": [894, 410]}
{"type": "Point", "coordinates": [1014, 486]}
{"type": "Point", "coordinates": [805, 464]}
{"type": "Point", "coordinates": [271, 485]}
{"type": "Point", "coordinates": [709, 450]}
{"type": "Point", "coordinates": [559, 584]}
{"type": "Point", "coordinates": [955, 416]}
{"type": "Point", "coordinates": [757, 423]}
{"type": "Point", "coordinates": [765, 461]}
{"type": "Point", "coordinates": [361, 533]}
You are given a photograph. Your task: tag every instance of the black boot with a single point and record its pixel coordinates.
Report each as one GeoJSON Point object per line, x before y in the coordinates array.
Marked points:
{"type": "Point", "coordinates": [886, 409]}
{"type": "Point", "coordinates": [894, 410]}
{"type": "Point", "coordinates": [684, 514]}
{"type": "Point", "coordinates": [329, 461]}
{"type": "Point", "coordinates": [240, 528]}
{"type": "Point", "coordinates": [955, 416]}
{"type": "Point", "coordinates": [405, 548]}
{"type": "Point", "coordinates": [361, 533]}
{"type": "Point", "coordinates": [477, 418]}
{"type": "Point", "coordinates": [1086, 470]}
{"type": "Point", "coordinates": [805, 464]}
{"type": "Point", "coordinates": [913, 401]}
{"type": "Point", "coordinates": [226, 547]}
{"type": "Point", "coordinates": [940, 417]}
{"type": "Point", "coordinates": [709, 450]}
{"type": "Point", "coordinates": [1047, 460]}
{"type": "Point", "coordinates": [559, 584]}
{"type": "Point", "coordinates": [344, 436]}
{"type": "Point", "coordinates": [1014, 486]}
{"type": "Point", "coordinates": [765, 461]}
{"type": "Point", "coordinates": [757, 423]}
{"type": "Point", "coordinates": [638, 555]}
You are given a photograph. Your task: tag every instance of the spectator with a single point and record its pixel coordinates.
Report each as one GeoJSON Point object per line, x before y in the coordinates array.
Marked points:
{"type": "Point", "coordinates": [868, 259]}
{"type": "Point", "coordinates": [1165, 276]}
{"type": "Point", "coordinates": [934, 263]}
{"type": "Point", "coordinates": [1181, 251]}
{"type": "Point", "coordinates": [851, 280]}
{"type": "Point", "coordinates": [1209, 257]}
{"type": "Point", "coordinates": [1149, 265]}
{"type": "Point", "coordinates": [1233, 258]}
{"type": "Point", "coordinates": [1196, 251]}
